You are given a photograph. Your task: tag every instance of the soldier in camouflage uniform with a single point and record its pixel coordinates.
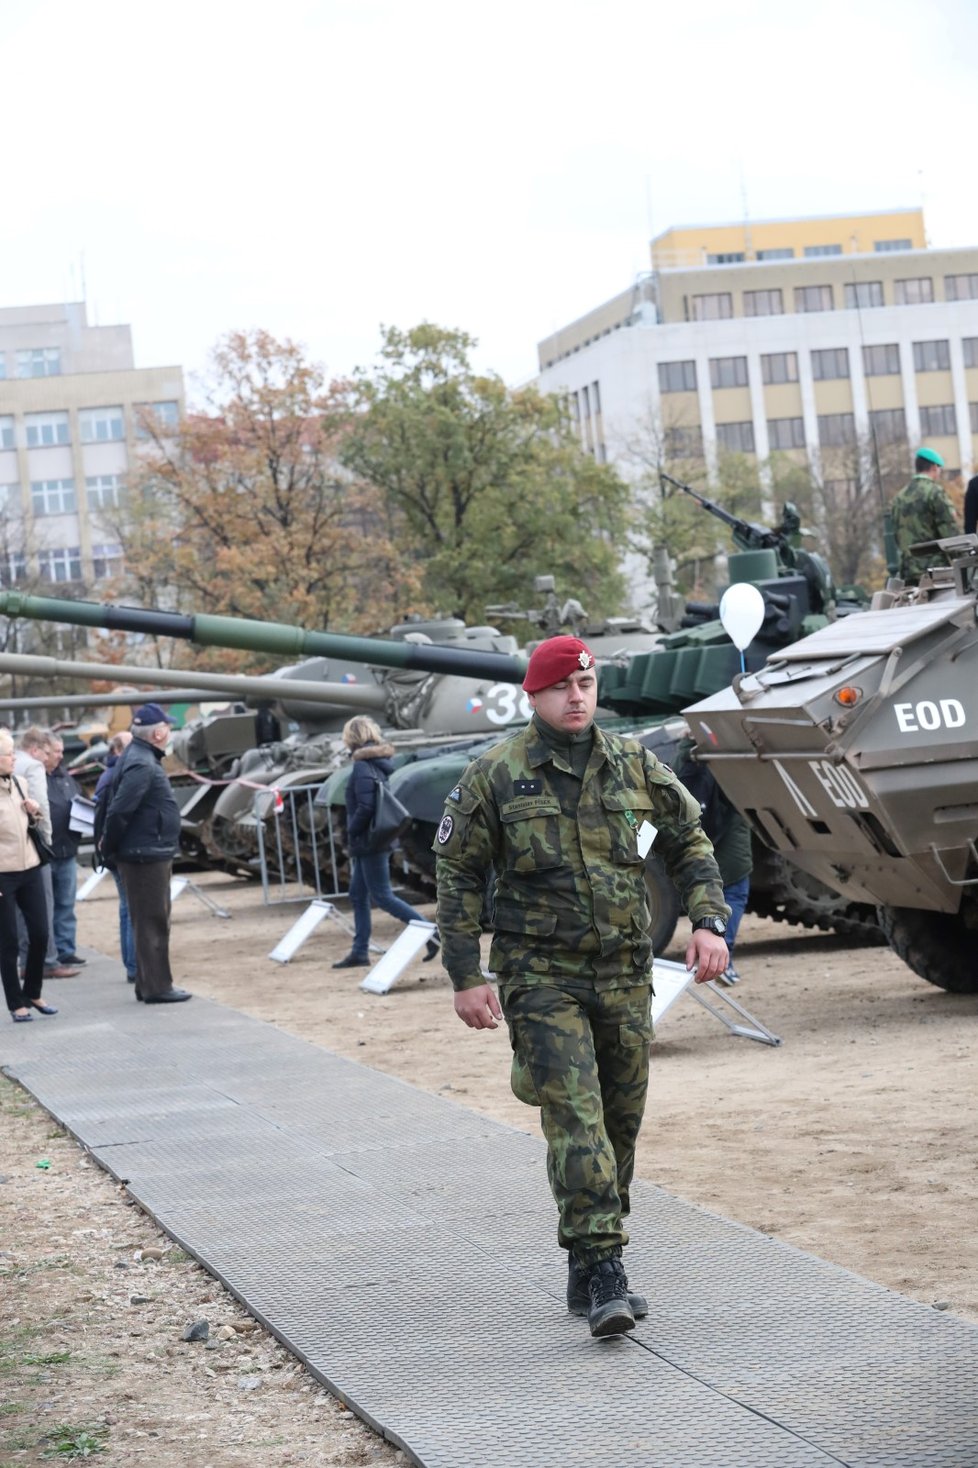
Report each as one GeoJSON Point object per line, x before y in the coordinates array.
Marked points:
{"type": "Point", "coordinates": [922, 511]}
{"type": "Point", "coordinates": [565, 815]}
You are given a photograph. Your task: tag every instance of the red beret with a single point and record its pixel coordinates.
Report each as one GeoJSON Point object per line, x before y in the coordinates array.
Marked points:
{"type": "Point", "coordinates": [556, 659]}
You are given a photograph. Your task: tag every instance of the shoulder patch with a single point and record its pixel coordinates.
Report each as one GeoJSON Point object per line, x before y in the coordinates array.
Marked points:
{"type": "Point", "coordinates": [455, 794]}
{"type": "Point", "coordinates": [445, 829]}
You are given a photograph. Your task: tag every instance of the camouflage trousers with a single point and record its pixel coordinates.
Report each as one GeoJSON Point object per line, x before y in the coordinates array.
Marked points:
{"type": "Point", "coordinates": [582, 1056]}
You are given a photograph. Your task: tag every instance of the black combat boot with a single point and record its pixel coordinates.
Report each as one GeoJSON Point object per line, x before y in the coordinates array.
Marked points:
{"type": "Point", "coordinates": [578, 1295]}
{"type": "Point", "coordinates": [352, 961]}
{"type": "Point", "coordinates": [610, 1312]}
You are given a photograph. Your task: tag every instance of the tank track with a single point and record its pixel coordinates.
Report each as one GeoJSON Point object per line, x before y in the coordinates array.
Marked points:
{"type": "Point", "coordinates": [783, 892]}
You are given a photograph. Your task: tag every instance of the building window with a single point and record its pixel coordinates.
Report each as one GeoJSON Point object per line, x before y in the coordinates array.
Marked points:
{"type": "Point", "coordinates": [961, 287]}
{"type": "Point", "coordinates": [862, 293]}
{"type": "Point", "coordinates": [63, 564]}
{"type": "Point", "coordinates": [39, 362]}
{"type": "Point", "coordinates": [7, 431]}
{"type": "Point", "coordinates": [44, 429]}
{"type": "Point", "coordinates": [103, 491]}
{"type": "Point", "coordinates": [888, 425]}
{"type": "Point", "coordinates": [830, 364]}
{"type": "Point", "coordinates": [973, 413]}
{"type": "Point", "coordinates": [969, 346]}
{"type": "Point", "coordinates": [786, 433]}
{"type": "Point", "coordinates": [596, 398]}
{"type": "Point", "coordinates": [812, 250]}
{"type": "Point", "coordinates": [3, 367]}
{"type": "Point", "coordinates": [779, 367]}
{"type": "Point", "coordinates": [716, 307]}
{"type": "Point", "coordinates": [13, 568]}
{"type": "Point", "coordinates": [763, 303]}
{"type": "Point", "coordinates": [919, 291]}
{"type": "Point", "coordinates": [101, 425]}
{"type": "Point", "coordinates": [727, 257]}
{"type": "Point", "coordinates": [106, 561]}
{"type": "Point", "coordinates": [836, 429]}
{"type": "Point", "coordinates": [736, 438]}
{"type": "Point", "coordinates": [683, 443]}
{"type": "Point", "coordinates": [728, 371]}
{"type": "Point", "coordinates": [53, 496]}
{"type": "Point", "coordinates": [813, 298]}
{"type": "Point", "coordinates": [164, 417]}
{"type": "Point", "coordinates": [881, 361]}
{"type": "Point", "coordinates": [931, 357]}
{"type": "Point", "coordinates": [779, 254]}
{"type": "Point", "coordinates": [677, 376]}
{"type": "Point", "coordinates": [938, 420]}
{"type": "Point", "coordinates": [883, 246]}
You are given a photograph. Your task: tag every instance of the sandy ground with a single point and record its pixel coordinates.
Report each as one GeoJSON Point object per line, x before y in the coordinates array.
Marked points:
{"type": "Point", "coordinates": [854, 1139]}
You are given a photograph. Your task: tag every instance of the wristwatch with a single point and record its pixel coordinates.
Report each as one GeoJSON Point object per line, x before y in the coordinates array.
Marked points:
{"type": "Point", "coordinates": [716, 925]}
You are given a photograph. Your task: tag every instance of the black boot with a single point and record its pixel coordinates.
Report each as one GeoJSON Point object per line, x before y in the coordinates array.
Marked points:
{"type": "Point", "coordinates": [432, 946]}
{"type": "Point", "coordinates": [352, 960]}
{"type": "Point", "coordinates": [610, 1312]}
{"type": "Point", "coordinates": [578, 1295]}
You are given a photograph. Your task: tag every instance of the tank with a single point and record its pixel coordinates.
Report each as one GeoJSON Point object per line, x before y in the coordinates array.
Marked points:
{"type": "Point", "coordinates": [854, 756]}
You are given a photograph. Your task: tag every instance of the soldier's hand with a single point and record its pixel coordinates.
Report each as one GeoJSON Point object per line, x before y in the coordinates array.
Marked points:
{"type": "Point", "coordinates": [478, 1008]}
{"type": "Point", "coordinates": [707, 954]}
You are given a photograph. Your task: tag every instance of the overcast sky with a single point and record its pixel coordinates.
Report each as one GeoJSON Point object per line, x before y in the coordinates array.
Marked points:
{"type": "Point", "coordinates": [320, 167]}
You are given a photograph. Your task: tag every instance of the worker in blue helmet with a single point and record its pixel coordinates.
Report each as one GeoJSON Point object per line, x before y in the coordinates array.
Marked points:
{"type": "Point", "coordinates": [922, 511]}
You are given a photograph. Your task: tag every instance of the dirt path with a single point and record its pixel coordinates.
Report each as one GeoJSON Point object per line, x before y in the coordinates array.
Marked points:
{"type": "Point", "coordinates": [855, 1140]}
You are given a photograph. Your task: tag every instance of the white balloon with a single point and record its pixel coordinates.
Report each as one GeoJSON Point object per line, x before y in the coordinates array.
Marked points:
{"type": "Point", "coordinates": [742, 612]}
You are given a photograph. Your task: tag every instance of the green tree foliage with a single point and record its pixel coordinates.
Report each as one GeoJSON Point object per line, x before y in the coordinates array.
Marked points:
{"type": "Point", "coordinates": [491, 482]}
{"type": "Point", "coordinates": [246, 510]}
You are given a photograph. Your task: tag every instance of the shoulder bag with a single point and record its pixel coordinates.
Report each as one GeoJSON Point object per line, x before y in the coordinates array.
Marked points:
{"type": "Point", "coordinates": [389, 819]}
{"type": "Point", "coordinates": [45, 852]}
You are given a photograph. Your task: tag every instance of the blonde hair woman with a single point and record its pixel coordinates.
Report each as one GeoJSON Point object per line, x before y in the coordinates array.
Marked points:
{"type": "Point", "coordinates": [371, 877]}
{"type": "Point", "coordinates": [20, 887]}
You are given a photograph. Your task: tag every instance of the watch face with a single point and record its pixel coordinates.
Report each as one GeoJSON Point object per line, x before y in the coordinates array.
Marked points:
{"type": "Point", "coordinates": [715, 925]}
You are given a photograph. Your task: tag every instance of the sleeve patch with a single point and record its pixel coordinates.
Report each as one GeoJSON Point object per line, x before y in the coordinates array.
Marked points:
{"type": "Point", "coordinates": [445, 829]}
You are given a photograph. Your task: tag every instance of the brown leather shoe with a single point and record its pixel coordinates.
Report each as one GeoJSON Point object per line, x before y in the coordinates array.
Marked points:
{"type": "Point", "coordinates": [61, 972]}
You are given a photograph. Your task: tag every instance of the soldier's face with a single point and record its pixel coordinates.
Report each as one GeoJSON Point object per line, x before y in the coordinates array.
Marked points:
{"type": "Point", "coordinates": [568, 705]}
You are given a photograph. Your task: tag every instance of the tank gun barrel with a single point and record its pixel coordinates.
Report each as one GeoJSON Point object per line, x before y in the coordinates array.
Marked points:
{"type": "Point", "coordinates": [348, 695]}
{"type": "Point", "coordinates": [269, 637]}
{"type": "Point", "coordinates": [116, 698]}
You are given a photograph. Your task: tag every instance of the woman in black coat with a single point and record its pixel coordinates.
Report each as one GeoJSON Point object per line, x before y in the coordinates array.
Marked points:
{"type": "Point", "coordinates": [371, 878]}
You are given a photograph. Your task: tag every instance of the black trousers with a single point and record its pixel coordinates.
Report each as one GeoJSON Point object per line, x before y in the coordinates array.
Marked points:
{"type": "Point", "coordinates": [147, 887]}
{"type": "Point", "coordinates": [23, 891]}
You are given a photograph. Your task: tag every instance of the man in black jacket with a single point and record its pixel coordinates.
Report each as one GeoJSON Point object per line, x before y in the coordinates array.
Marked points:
{"type": "Point", "coordinates": [142, 836]}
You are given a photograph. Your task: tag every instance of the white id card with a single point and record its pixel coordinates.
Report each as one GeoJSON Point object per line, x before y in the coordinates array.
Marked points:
{"type": "Point", "coordinates": [646, 835]}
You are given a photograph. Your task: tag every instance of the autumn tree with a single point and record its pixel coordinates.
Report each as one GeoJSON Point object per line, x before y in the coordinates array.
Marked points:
{"type": "Point", "coordinates": [247, 511]}
{"type": "Point", "coordinates": [492, 482]}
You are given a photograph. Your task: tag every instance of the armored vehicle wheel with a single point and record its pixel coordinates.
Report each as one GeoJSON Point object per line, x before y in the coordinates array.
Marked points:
{"type": "Point", "coordinates": [939, 946]}
{"type": "Point", "coordinates": [663, 903]}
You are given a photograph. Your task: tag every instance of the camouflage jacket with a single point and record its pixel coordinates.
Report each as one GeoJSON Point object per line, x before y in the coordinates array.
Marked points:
{"type": "Point", "coordinates": [921, 511]}
{"type": "Point", "coordinates": [571, 901]}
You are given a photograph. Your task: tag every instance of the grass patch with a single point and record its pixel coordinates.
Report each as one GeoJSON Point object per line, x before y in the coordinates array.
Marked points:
{"type": "Point", "coordinates": [52, 1358]}
{"type": "Point", "coordinates": [70, 1443]}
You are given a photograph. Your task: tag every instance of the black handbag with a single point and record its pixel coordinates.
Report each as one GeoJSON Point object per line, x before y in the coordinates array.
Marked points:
{"type": "Point", "coordinates": [389, 819]}
{"type": "Point", "coordinates": [45, 852]}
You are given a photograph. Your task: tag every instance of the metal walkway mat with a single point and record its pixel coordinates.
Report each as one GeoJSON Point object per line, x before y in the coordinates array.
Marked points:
{"type": "Point", "coordinates": [404, 1248]}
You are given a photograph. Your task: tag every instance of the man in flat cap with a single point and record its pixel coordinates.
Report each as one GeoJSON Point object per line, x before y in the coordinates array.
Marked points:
{"type": "Point", "coordinates": [565, 815]}
{"type": "Point", "coordinates": [922, 511]}
{"type": "Point", "coordinates": [141, 837]}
